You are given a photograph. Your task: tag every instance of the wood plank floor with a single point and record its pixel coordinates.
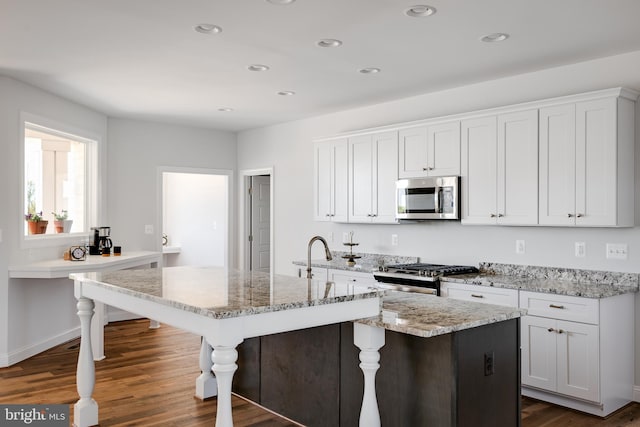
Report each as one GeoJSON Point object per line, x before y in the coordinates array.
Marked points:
{"type": "Point", "coordinates": [148, 379]}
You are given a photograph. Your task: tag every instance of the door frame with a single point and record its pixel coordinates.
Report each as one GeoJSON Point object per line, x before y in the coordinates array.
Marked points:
{"type": "Point", "coordinates": [244, 261]}
{"type": "Point", "coordinates": [229, 246]}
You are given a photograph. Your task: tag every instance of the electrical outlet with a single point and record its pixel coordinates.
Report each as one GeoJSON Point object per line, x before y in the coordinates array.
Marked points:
{"type": "Point", "coordinates": [580, 249]}
{"type": "Point", "coordinates": [489, 363]}
{"type": "Point", "coordinates": [617, 250]}
{"type": "Point", "coordinates": [520, 247]}
{"type": "Point", "coordinates": [148, 229]}
{"type": "Point", "coordinates": [394, 240]}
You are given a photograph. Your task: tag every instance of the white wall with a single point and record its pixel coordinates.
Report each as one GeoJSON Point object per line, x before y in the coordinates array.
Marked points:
{"type": "Point", "coordinates": [288, 148]}
{"type": "Point", "coordinates": [136, 152]}
{"type": "Point", "coordinates": [30, 311]}
{"type": "Point", "coordinates": [195, 218]}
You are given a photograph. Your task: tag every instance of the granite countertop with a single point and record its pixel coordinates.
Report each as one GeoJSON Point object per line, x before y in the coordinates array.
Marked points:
{"type": "Point", "coordinates": [219, 293]}
{"type": "Point", "coordinates": [561, 281]}
{"type": "Point", "coordinates": [428, 315]}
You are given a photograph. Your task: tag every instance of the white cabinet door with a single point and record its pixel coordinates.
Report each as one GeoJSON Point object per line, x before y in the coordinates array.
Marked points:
{"type": "Point", "coordinates": [351, 277]}
{"type": "Point", "coordinates": [538, 346]}
{"type": "Point", "coordinates": [413, 152]}
{"type": "Point", "coordinates": [479, 171]}
{"type": "Point", "coordinates": [517, 193]}
{"type": "Point", "coordinates": [443, 149]}
{"type": "Point", "coordinates": [384, 182]}
{"type": "Point", "coordinates": [330, 181]}
{"type": "Point", "coordinates": [578, 370]}
{"type": "Point", "coordinates": [361, 172]}
{"type": "Point", "coordinates": [373, 171]}
{"type": "Point", "coordinates": [432, 150]}
{"type": "Point", "coordinates": [596, 167]}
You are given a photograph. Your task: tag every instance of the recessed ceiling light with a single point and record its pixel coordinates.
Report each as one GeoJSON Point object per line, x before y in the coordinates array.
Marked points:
{"type": "Point", "coordinates": [329, 43]}
{"type": "Point", "coordinates": [495, 37]}
{"type": "Point", "coordinates": [420, 11]}
{"type": "Point", "coordinates": [370, 70]}
{"type": "Point", "coordinates": [207, 29]}
{"type": "Point", "coordinates": [286, 93]}
{"type": "Point", "coordinates": [281, 1]}
{"type": "Point", "coordinates": [257, 67]}
{"type": "Point", "coordinates": [225, 109]}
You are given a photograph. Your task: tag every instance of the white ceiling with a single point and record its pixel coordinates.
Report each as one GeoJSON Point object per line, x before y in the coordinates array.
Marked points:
{"type": "Point", "coordinates": [142, 58]}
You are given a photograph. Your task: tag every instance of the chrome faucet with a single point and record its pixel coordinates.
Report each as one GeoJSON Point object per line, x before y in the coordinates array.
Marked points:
{"type": "Point", "coordinates": [326, 251]}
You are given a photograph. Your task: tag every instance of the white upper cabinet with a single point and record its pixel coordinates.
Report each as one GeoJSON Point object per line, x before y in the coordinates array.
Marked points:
{"type": "Point", "coordinates": [331, 181]}
{"type": "Point", "coordinates": [373, 171]}
{"type": "Point", "coordinates": [432, 150]}
{"type": "Point", "coordinates": [500, 169]}
{"type": "Point", "coordinates": [586, 163]}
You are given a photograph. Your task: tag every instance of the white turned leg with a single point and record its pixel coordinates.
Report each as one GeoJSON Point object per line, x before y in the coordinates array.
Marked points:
{"type": "Point", "coordinates": [97, 331]}
{"type": "Point", "coordinates": [224, 366]}
{"type": "Point", "coordinates": [206, 385]}
{"type": "Point", "coordinates": [85, 411]}
{"type": "Point", "coordinates": [369, 339]}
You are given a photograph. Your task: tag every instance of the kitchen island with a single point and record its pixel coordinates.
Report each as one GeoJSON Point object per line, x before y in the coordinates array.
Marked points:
{"type": "Point", "coordinates": [444, 363]}
{"type": "Point", "coordinates": [224, 307]}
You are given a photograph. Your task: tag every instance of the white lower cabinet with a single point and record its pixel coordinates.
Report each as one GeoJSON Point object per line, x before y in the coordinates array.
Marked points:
{"type": "Point", "coordinates": [576, 352]}
{"type": "Point", "coordinates": [485, 294]}
{"type": "Point", "coordinates": [354, 277]}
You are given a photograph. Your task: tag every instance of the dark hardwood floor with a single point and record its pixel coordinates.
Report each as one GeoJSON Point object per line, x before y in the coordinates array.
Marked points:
{"type": "Point", "coordinates": [148, 379]}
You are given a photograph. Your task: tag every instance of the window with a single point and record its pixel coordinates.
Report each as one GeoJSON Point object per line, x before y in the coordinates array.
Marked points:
{"type": "Point", "coordinates": [59, 181]}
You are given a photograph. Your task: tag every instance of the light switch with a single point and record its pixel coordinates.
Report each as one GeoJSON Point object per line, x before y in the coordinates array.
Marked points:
{"type": "Point", "coordinates": [394, 240]}
{"type": "Point", "coordinates": [617, 250]}
{"type": "Point", "coordinates": [580, 249]}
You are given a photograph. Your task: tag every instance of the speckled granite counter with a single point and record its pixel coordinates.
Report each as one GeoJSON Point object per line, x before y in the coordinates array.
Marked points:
{"type": "Point", "coordinates": [218, 293]}
{"type": "Point", "coordinates": [561, 281]}
{"type": "Point", "coordinates": [428, 315]}
{"type": "Point", "coordinates": [368, 263]}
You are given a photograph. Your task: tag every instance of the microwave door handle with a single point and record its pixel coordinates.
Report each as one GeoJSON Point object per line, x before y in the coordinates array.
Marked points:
{"type": "Point", "coordinates": [437, 200]}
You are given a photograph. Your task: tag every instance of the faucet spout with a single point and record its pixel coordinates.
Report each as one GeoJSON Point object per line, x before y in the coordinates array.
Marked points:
{"type": "Point", "coordinates": [326, 251]}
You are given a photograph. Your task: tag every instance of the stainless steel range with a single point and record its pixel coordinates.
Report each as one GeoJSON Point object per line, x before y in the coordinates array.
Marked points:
{"type": "Point", "coordinates": [418, 277]}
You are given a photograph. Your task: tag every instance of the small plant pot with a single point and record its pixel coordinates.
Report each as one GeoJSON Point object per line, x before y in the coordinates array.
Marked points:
{"type": "Point", "coordinates": [37, 227]}
{"type": "Point", "coordinates": [63, 226]}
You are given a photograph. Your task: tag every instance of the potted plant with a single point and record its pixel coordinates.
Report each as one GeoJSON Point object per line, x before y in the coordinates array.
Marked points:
{"type": "Point", "coordinates": [36, 224]}
{"type": "Point", "coordinates": [61, 222]}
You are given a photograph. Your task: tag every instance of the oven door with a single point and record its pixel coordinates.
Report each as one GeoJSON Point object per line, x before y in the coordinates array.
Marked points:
{"type": "Point", "coordinates": [427, 198]}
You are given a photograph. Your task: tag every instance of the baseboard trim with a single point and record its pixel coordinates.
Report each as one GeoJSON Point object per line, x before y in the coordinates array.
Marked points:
{"type": "Point", "coordinates": [636, 393]}
{"type": "Point", "coordinates": [8, 359]}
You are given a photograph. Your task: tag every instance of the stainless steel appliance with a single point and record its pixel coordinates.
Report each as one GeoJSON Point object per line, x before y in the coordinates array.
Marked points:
{"type": "Point", "coordinates": [101, 240]}
{"type": "Point", "coordinates": [428, 198]}
{"type": "Point", "coordinates": [418, 277]}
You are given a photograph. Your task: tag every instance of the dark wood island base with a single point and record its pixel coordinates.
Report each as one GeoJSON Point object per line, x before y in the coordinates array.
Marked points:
{"type": "Point", "coordinates": [464, 378]}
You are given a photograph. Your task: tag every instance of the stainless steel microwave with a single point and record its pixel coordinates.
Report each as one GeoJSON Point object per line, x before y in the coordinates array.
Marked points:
{"type": "Point", "coordinates": [428, 198]}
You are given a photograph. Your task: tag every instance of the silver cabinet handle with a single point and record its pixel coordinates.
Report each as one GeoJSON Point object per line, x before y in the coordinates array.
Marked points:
{"type": "Point", "coordinates": [560, 331]}
{"type": "Point", "coordinates": [428, 168]}
{"type": "Point", "coordinates": [569, 215]}
{"type": "Point", "coordinates": [579, 215]}
{"type": "Point", "coordinates": [551, 330]}
{"type": "Point", "coordinates": [492, 215]}
{"type": "Point", "coordinates": [477, 296]}
{"type": "Point", "coordinates": [500, 215]}
{"type": "Point", "coordinates": [556, 306]}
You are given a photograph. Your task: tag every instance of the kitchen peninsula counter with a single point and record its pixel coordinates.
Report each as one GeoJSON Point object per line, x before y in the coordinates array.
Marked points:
{"type": "Point", "coordinates": [223, 306]}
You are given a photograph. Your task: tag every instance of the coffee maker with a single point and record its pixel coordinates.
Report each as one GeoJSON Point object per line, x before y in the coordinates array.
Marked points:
{"type": "Point", "coordinates": [101, 241]}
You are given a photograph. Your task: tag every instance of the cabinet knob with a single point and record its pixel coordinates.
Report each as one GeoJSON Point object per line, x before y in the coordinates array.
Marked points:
{"type": "Point", "coordinates": [579, 215]}
{"type": "Point", "coordinates": [428, 168]}
{"type": "Point", "coordinates": [569, 215]}
{"type": "Point", "coordinates": [492, 215]}
{"type": "Point", "coordinates": [327, 214]}
{"type": "Point", "coordinates": [500, 215]}
{"type": "Point", "coordinates": [551, 330]}
{"type": "Point", "coordinates": [560, 331]}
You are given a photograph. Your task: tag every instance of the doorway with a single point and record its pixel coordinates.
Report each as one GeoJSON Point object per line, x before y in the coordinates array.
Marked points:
{"type": "Point", "coordinates": [195, 218]}
{"type": "Point", "coordinates": [258, 230]}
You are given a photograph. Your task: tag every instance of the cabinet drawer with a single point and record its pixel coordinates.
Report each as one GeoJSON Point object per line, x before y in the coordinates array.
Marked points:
{"type": "Point", "coordinates": [487, 295]}
{"type": "Point", "coordinates": [356, 278]}
{"type": "Point", "coordinates": [562, 307]}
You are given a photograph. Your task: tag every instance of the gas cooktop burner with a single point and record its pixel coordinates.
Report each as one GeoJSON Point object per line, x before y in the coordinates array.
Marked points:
{"type": "Point", "coordinates": [419, 277]}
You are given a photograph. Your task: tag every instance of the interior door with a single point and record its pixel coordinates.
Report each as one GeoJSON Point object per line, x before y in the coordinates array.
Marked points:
{"type": "Point", "coordinates": [260, 237]}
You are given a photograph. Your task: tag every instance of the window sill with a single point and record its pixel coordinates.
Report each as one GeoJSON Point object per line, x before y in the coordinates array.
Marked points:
{"type": "Point", "coordinates": [53, 240]}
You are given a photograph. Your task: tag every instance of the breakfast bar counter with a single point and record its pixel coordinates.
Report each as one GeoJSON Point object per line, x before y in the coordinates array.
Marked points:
{"type": "Point", "coordinates": [224, 307]}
